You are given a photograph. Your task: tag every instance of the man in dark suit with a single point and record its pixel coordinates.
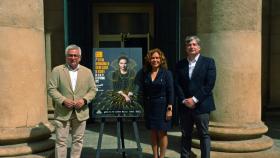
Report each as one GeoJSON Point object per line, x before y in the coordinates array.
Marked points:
{"type": "Point", "coordinates": [194, 80]}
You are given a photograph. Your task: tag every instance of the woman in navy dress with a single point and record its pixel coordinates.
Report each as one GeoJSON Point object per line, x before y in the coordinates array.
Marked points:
{"type": "Point", "coordinates": [158, 96]}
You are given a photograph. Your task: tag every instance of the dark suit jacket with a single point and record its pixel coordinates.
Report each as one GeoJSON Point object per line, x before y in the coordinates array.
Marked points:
{"type": "Point", "coordinates": [200, 85]}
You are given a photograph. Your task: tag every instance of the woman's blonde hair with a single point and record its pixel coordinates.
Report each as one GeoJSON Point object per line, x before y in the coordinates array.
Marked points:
{"type": "Point", "coordinates": [163, 62]}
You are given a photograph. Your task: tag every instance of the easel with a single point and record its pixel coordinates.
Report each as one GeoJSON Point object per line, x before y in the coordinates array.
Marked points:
{"type": "Point", "coordinates": [120, 136]}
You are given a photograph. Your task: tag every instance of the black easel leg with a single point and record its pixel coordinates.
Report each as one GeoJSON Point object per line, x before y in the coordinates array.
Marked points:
{"type": "Point", "coordinates": [119, 135]}
{"type": "Point", "coordinates": [100, 138]}
{"type": "Point", "coordinates": [135, 128]}
{"type": "Point", "coordinates": [122, 138]}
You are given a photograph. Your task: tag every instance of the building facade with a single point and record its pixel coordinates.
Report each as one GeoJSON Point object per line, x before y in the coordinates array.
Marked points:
{"type": "Point", "coordinates": [241, 35]}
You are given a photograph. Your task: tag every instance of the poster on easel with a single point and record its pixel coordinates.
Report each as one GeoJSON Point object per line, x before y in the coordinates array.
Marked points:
{"type": "Point", "coordinates": [115, 71]}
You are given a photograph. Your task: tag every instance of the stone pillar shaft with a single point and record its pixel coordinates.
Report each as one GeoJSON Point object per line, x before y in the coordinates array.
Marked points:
{"type": "Point", "coordinates": [231, 33]}
{"type": "Point", "coordinates": [23, 107]}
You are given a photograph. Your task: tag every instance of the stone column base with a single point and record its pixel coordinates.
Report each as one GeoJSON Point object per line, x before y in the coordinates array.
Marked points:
{"type": "Point", "coordinates": [24, 141]}
{"type": "Point", "coordinates": [270, 153]}
{"type": "Point", "coordinates": [237, 138]}
{"type": "Point", "coordinates": [46, 154]}
{"type": "Point", "coordinates": [239, 146]}
{"type": "Point", "coordinates": [24, 149]}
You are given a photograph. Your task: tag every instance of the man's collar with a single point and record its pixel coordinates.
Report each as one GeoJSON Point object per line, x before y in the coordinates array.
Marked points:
{"type": "Point", "coordinates": [70, 69]}
{"type": "Point", "coordinates": [195, 58]}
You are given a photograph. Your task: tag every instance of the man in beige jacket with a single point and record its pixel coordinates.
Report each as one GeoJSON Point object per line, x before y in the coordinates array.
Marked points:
{"type": "Point", "coordinates": [72, 87]}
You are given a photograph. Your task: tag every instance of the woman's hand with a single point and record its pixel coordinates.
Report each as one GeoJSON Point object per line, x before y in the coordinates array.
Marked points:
{"type": "Point", "coordinates": [126, 97]}
{"type": "Point", "coordinates": [169, 112]}
{"type": "Point", "coordinates": [130, 94]}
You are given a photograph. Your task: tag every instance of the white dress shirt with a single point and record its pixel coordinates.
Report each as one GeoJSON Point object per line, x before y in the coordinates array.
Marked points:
{"type": "Point", "coordinates": [192, 64]}
{"type": "Point", "coordinates": [73, 76]}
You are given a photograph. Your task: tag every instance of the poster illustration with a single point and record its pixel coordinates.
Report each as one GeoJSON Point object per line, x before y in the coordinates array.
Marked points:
{"type": "Point", "coordinates": [115, 72]}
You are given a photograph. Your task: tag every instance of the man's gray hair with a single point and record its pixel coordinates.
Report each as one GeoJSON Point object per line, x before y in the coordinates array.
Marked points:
{"type": "Point", "coordinates": [73, 46]}
{"type": "Point", "coordinates": [188, 39]}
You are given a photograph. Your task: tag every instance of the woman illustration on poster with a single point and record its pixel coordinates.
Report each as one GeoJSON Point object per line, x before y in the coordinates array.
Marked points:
{"type": "Point", "coordinates": [123, 79]}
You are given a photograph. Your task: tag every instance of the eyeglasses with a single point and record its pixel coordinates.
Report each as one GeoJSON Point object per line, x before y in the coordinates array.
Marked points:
{"type": "Point", "coordinates": [73, 55]}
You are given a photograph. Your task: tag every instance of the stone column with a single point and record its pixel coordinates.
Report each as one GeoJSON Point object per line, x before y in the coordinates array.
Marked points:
{"type": "Point", "coordinates": [24, 126]}
{"type": "Point", "coordinates": [231, 33]}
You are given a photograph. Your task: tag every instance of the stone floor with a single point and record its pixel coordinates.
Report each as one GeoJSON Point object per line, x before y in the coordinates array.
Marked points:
{"type": "Point", "coordinates": [109, 143]}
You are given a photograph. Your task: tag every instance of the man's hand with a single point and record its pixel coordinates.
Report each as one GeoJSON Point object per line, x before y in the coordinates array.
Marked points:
{"type": "Point", "coordinates": [69, 103]}
{"type": "Point", "coordinates": [189, 103]}
{"type": "Point", "coordinates": [79, 103]}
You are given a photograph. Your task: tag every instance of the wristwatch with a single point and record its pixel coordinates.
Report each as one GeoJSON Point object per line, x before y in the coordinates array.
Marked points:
{"type": "Point", "coordinates": [85, 101]}
{"type": "Point", "coordinates": [169, 108]}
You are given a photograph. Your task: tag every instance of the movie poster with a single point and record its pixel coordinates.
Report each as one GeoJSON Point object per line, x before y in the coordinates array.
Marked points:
{"type": "Point", "coordinates": [115, 71]}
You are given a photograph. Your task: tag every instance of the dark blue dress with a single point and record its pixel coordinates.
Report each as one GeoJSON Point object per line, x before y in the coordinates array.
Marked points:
{"type": "Point", "coordinates": [157, 95]}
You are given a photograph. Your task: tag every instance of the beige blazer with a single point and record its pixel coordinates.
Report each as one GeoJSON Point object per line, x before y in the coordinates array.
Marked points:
{"type": "Point", "coordinates": [60, 88]}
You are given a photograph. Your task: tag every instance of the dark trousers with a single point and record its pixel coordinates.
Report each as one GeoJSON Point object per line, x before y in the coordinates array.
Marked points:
{"type": "Point", "coordinates": [188, 119]}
